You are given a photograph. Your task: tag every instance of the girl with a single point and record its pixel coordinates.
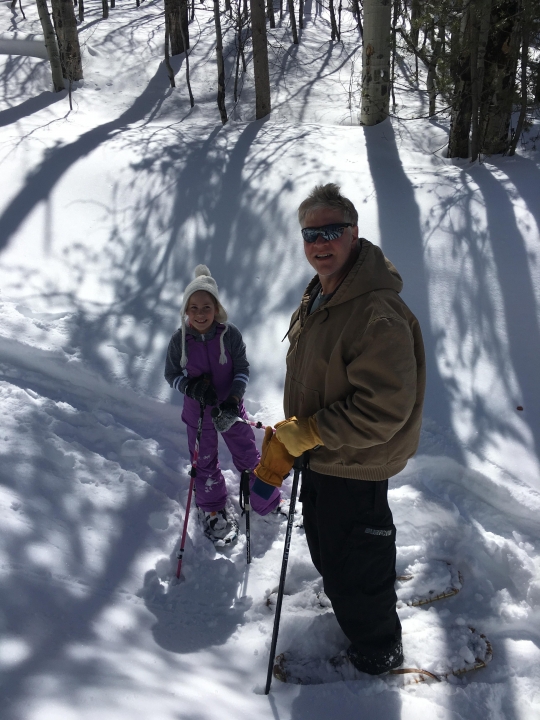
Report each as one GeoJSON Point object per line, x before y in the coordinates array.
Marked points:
{"type": "Point", "coordinates": [206, 361]}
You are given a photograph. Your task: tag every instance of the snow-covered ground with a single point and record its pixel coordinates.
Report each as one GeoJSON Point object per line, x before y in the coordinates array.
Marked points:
{"type": "Point", "coordinates": [104, 213]}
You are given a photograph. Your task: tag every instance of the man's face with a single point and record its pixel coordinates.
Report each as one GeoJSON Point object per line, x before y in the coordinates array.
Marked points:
{"type": "Point", "coordinates": [329, 257]}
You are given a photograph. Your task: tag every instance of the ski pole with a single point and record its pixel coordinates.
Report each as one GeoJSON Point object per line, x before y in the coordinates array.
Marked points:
{"type": "Point", "coordinates": [298, 466]}
{"type": "Point", "coordinates": [193, 473]}
{"type": "Point", "coordinates": [246, 508]}
{"type": "Point", "coordinates": [216, 412]}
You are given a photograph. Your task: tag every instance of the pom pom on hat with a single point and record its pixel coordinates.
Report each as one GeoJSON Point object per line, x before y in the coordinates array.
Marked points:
{"type": "Point", "coordinates": [202, 270]}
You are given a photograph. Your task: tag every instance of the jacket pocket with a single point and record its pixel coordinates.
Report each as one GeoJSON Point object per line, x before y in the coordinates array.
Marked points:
{"type": "Point", "coordinates": [303, 401]}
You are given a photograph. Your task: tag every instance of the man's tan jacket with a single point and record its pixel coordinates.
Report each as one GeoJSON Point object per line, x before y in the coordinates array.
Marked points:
{"type": "Point", "coordinates": [358, 364]}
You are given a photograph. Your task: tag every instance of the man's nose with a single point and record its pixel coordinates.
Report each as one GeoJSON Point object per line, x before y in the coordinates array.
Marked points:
{"type": "Point", "coordinates": [320, 240]}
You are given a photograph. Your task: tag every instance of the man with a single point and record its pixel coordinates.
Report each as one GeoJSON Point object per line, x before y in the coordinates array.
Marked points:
{"type": "Point", "coordinates": [354, 391]}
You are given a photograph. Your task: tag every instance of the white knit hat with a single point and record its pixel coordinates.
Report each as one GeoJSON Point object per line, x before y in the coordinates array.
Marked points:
{"type": "Point", "coordinates": [203, 280]}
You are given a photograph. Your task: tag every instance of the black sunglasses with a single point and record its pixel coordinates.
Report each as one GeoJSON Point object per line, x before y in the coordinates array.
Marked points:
{"type": "Point", "coordinates": [327, 232]}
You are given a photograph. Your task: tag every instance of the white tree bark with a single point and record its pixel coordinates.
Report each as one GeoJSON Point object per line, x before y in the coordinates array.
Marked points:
{"type": "Point", "coordinates": [260, 59]}
{"type": "Point", "coordinates": [376, 61]}
{"type": "Point", "coordinates": [50, 44]}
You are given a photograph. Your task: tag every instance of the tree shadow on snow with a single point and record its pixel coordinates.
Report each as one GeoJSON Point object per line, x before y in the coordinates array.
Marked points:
{"type": "Point", "coordinates": [210, 205]}
{"type": "Point", "coordinates": [401, 240]}
{"type": "Point", "coordinates": [53, 592]}
{"type": "Point", "coordinates": [41, 180]}
{"type": "Point", "coordinates": [517, 293]}
{"type": "Point", "coordinates": [29, 107]}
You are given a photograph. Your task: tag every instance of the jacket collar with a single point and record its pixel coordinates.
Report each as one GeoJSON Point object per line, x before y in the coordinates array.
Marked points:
{"type": "Point", "coordinates": [371, 271]}
{"type": "Point", "coordinates": [199, 337]}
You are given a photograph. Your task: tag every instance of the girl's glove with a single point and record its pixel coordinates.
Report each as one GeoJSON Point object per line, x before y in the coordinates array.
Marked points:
{"type": "Point", "coordinates": [276, 462]}
{"type": "Point", "coordinates": [201, 390]}
{"type": "Point", "coordinates": [298, 435]}
{"type": "Point", "coordinates": [225, 415]}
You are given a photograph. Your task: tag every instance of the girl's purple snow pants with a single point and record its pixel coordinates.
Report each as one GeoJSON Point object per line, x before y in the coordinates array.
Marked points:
{"type": "Point", "coordinates": [210, 489]}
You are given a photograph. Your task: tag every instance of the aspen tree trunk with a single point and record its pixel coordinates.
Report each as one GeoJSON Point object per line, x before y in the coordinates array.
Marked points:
{"type": "Point", "coordinates": [236, 75]}
{"type": "Point", "coordinates": [50, 44]}
{"type": "Point", "coordinates": [270, 11]}
{"type": "Point", "coordinates": [460, 126]}
{"type": "Point", "coordinates": [358, 14]}
{"type": "Point", "coordinates": [170, 71]}
{"type": "Point", "coordinates": [376, 61]}
{"type": "Point", "coordinates": [335, 30]}
{"type": "Point", "coordinates": [501, 67]}
{"type": "Point", "coordinates": [525, 40]}
{"type": "Point", "coordinates": [416, 12]}
{"type": "Point", "coordinates": [105, 9]}
{"type": "Point", "coordinates": [178, 19]}
{"type": "Point", "coordinates": [81, 10]}
{"type": "Point", "coordinates": [65, 25]}
{"type": "Point", "coordinates": [432, 87]}
{"type": "Point", "coordinates": [185, 43]}
{"type": "Point", "coordinates": [479, 30]}
{"type": "Point", "coordinates": [395, 13]}
{"type": "Point", "coordinates": [293, 22]}
{"type": "Point", "coordinates": [239, 47]}
{"type": "Point", "coordinates": [415, 21]}
{"type": "Point", "coordinates": [260, 59]}
{"type": "Point", "coordinates": [433, 59]}
{"type": "Point", "coordinates": [301, 15]}
{"type": "Point", "coordinates": [220, 65]}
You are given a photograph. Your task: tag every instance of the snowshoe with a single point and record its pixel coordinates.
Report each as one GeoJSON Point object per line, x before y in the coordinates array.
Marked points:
{"type": "Point", "coordinates": [465, 650]}
{"type": "Point", "coordinates": [220, 526]}
{"type": "Point", "coordinates": [426, 581]}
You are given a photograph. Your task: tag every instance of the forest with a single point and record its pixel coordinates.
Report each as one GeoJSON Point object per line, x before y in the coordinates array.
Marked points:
{"type": "Point", "coordinates": [480, 57]}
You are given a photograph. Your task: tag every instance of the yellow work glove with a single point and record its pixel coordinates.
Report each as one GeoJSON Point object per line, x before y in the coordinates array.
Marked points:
{"type": "Point", "coordinates": [298, 435]}
{"type": "Point", "coordinates": [276, 463]}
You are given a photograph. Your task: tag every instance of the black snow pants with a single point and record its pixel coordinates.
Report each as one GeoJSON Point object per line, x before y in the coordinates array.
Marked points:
{"type": "Point", "coordinates": [352, 541]}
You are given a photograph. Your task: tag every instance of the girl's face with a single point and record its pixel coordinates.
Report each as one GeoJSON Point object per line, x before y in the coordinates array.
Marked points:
{"type": "Point", "coordinates": [201, 310]}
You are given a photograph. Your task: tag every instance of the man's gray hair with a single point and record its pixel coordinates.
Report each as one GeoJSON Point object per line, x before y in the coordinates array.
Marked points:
{"type": "Point", "coordinates": [328, 196]}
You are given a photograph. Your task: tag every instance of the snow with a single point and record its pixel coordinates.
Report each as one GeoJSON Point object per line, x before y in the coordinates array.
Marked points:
{"type": "Point", "coordinates": [105, 211]}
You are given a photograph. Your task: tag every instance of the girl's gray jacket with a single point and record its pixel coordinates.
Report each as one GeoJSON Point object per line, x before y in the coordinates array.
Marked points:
{"type": "Point", "coordinates": [234, 345]}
